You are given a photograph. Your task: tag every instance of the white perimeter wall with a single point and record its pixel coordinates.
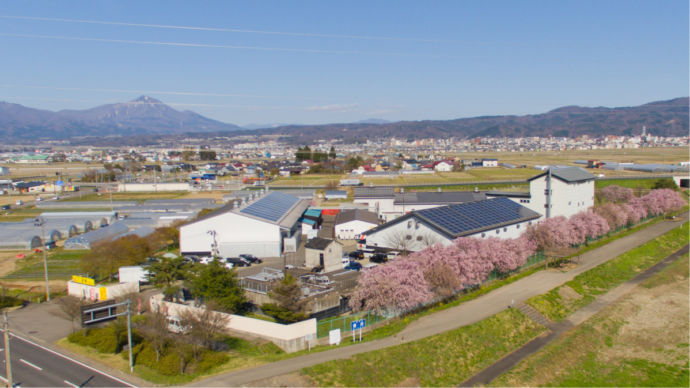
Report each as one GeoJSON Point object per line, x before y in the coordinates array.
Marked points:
{"type": "Point", "coordinates": [291, 338]}
{"type": "Point", "coordinates": [235, 234]}
{"type": "Point", "coordinates": [83, 291]}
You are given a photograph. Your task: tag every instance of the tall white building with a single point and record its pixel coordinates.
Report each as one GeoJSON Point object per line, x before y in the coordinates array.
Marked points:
{"type": "Point", "coordinates": [558, 191]}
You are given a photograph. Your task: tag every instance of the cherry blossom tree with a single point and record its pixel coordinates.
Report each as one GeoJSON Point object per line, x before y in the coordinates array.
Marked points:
{"type": "Point", "coordinates": [615, 194]}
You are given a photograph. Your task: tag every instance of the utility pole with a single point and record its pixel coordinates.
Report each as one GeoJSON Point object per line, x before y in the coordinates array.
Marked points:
{"type": "Point", "coordinates": [129, 335]}
{"type": "Point", "coordinates": [41, 222]}
{"type": "Point", "coordinates": [8, 363]}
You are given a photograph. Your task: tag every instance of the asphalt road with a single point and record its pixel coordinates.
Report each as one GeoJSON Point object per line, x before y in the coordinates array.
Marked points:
{"type": "Point", "coordinates": [36, 366]}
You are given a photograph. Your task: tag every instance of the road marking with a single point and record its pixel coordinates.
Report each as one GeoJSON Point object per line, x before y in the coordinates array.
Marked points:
{"type": "Point", "coordinates": [73, 360]}
{"type": "Point", "coordinates": [30, 364]}
{"type": "Point", "coordinates": [70, 384]}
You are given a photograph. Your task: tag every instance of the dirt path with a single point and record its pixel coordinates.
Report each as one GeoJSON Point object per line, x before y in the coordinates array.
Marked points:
{"type": "Point", "coordinates": [557, 330]}
{"type": "Point", "coordinates": [462, 315]}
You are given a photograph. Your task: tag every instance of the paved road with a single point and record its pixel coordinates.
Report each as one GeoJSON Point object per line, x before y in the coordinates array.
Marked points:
{"type": "Point", "coordinates": [453, 318]}
{"type": "Point", "coordinates": [36, 366]}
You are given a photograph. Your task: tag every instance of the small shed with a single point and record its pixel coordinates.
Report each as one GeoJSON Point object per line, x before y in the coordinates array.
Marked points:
{"type": "Point", "coordinates": [325, 253]}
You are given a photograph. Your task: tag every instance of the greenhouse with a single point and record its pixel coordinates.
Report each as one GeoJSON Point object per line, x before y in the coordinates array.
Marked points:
{"type": "Point", "coordinates": [86, 240]}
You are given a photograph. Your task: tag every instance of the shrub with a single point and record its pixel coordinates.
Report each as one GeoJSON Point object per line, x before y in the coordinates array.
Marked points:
{"type": "Point", "coordinates": [210, 360]}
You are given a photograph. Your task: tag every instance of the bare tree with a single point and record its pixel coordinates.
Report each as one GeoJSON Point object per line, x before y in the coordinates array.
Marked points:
{"type": "Point", "coordinates": [400, 240]}
{"type": "Point", "coordinates": [204, 325]}
{"type": "Point", "coordinates": [155, 329]}
{"type": "Point", "coordinates": [408, 240]}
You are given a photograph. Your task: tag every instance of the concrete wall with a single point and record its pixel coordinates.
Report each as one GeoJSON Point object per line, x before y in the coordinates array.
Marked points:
{"type": "Point", "coordinates": [84, 291]}
{"type": "Point", "coordinates": [290, 338]}
{"type": "Point", "coordinates": [139, 187]}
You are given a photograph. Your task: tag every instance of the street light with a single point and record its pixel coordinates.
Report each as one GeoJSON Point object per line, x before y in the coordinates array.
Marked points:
{"type": "Point", "coordinates": [41, 222]}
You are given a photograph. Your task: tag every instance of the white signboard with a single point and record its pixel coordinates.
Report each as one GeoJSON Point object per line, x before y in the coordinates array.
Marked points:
{"type": "Point", "coordinates": [334, 337]}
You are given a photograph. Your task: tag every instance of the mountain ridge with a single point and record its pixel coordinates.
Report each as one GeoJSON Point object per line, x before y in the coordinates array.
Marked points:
{"type": "Point", "coordinates": [148, 117]}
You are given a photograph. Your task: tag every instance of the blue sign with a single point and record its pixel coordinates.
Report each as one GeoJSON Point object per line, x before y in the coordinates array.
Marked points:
{"type": "Point", "coordinates": [360, 324]}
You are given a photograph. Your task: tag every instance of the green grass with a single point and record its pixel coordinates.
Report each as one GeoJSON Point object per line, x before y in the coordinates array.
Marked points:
{"type": "Point", "coordinates": [61, 265]}
{"type": "Point", "coordinates": [643, 183]}
{"type": "Point", "coordinates": [143, 196]}
{"type": "Point", "coordinates": [606, 276]}
{"type": "Point", "coordinates": [441, 360]}
{"type": "Point", "coordinates": [651, 358]}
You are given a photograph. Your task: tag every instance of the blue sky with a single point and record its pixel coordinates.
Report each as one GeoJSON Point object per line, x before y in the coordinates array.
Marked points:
{"type": "Point", "coordinates": [326, 61]}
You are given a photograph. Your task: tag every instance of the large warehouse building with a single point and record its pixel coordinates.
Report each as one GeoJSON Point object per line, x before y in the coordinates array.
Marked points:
{"type": "Point", "coordinates": [264, 227]}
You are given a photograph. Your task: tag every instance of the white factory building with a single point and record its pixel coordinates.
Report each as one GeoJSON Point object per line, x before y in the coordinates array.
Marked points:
{"type": "Point", "coordinates": [264, 227]}
{"type": "Point", "coordinates": [558, 191]}
{"type": "Point", "coordinates": [497, 217]}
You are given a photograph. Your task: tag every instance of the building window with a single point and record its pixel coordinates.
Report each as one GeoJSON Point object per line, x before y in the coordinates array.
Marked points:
{"type": "Point", "coordinates": [570, 203]}
{"type": "Point", "coordinates": [483, 235]}
{"type": "Point", "coordinates": [409, 224]}
{"type": "Point", "coordinates": [498, 231]}
{"type": "Point", "coordinates": [416, 225]}
{"type": "Point", "coordinates": [517, 226]}
{"type": "Point", "coordinates": [505, 229]}
{"type": "Point", "coordinates": [419, 238]}
{"type": "Point", "coordinates": [408, 237]}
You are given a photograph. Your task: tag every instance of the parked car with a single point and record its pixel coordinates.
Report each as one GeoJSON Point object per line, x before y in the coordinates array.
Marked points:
{"type": "Point", "coordinates": [317, 269]}
{"type": "Point", "coordinates": [354, 266]}
{"type": "Point", "coordinates": [237, 262]}
{"type": "Point", "coordinates": [5, 207]}
{"type": "Point", "coordinates": [378, 258]}
{"type": "Point", "coordinates": [251, 258]}
{"type": "Point", "coordinates": [19, 202]}
{"type": "Point", "coordinates": [345, 261]}
{"type": "Point", "coordinates": [357, 255]}
{"type": "Point", "coordinates": [369, 266]}
{"type": "Point", "coordinates": [205, 259]}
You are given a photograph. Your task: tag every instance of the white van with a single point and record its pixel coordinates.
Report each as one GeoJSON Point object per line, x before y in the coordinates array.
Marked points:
{"type": "Point", "coordinates": [175, 325]}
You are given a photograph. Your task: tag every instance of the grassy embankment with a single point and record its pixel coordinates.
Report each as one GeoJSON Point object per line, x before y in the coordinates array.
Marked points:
{"type": "Point", "coordinates": [584, 288]}
{"type": "Point", "coordinates": [641, 340]}
{"type": "Point", "coordinates": [444, 359]}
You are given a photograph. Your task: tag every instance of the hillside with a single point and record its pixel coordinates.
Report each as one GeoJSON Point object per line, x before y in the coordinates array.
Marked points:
{"type": "Point", "coordinates": [142, 116]}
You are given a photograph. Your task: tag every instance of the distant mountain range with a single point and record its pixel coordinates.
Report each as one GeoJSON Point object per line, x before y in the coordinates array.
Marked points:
{"type": "Point", "coordinates": [148, 119]}
{"type": "Point", "coordinates": [663, 118]}
{"type": "Point", "coordinates": [143, 116]}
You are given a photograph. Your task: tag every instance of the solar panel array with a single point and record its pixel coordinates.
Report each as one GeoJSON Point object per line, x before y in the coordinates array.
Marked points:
{"type": "Point", "coordinates": [466, 217]}
{"type": "Point", "coordinates": [272, 207]}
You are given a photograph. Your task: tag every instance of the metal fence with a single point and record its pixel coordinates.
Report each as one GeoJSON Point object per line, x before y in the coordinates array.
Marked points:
{"type": "Point", "coordinates": [343, 322]}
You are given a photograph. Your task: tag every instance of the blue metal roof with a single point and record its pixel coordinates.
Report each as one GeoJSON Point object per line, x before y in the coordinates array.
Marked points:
{"type": "Point", "coordinates": [313, 212]}
{"type": "Point", "coordinates": [467, 218]}
{"type": "Point", "coordinates": [271, 207]}
{"type": "Point", "coordinates": [308, 221]}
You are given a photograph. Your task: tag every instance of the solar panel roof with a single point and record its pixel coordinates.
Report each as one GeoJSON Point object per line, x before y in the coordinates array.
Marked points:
{"type": "Point", "coordinates": [271, 207]}
{"type": "Point", "coordinates": [466, 217]}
